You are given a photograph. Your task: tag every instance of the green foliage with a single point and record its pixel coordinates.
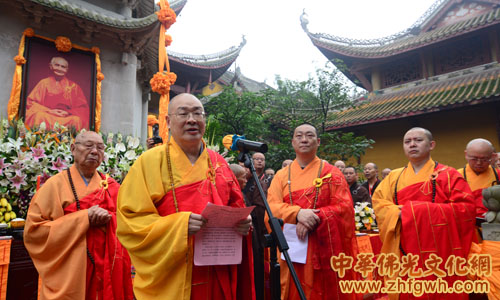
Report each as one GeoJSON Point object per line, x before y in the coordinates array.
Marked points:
{"type": "Point", "coordinates": [339, 145]}
{"type": "Point", "coordinates": [271, 115]}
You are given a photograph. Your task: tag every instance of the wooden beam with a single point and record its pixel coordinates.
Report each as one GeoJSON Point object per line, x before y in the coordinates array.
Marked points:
{"type": "Point", "coordinates": [364, 81]}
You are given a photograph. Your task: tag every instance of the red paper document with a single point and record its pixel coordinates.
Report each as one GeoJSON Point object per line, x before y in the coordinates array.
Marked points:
{"type": "Point", "coordinates": [218, 243]}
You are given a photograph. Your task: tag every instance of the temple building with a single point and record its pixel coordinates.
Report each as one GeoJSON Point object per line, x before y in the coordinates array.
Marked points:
{"type": "Point", "coordinates": [109, 50]}
{"type": "Point", "coordinates": [195, 72]}
{"type": "Point", "coordinates": [126, 34]}
{"type": "Point", "coordinates": [442, 74]}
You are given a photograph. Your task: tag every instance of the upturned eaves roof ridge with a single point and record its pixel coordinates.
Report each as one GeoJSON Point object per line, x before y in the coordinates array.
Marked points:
{"type": "Point", "coordinates": [476, 85]}
{"type": "Point", "coordinates": [401, 42]}
{"type": "Point", "coordinates": [214, 60]}
{"type": "Point", "coordinates": [97, 14]}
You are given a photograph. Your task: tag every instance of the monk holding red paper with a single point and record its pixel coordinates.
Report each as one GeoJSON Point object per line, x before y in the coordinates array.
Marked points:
{"type": "Point", "coordinates": [425, 209]}
{"type": "Point", "coordinates": [159, 213]}
{"type": "Point", "coordinates": [70, 231]}
{"type": "Point", "coordinates": [314, 195]}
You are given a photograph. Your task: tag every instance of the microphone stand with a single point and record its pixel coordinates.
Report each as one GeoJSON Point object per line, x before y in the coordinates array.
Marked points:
{"type": "Point", "coordinates": [274, 240]}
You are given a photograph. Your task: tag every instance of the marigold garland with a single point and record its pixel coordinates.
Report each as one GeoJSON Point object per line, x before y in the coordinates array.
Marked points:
{"type": "Point", "coordinates": [20, 60]}
{"type": "Point", "coordinates": [152, 120]}
{"type": "Point", "coordinates": [161, 82]}
{"type": "Point", "coordinates": [63, 44]}
{"type": "Point", "coordinates": [168, 40]}
{"type": "Point", "coordinates": [95, 50]}
{"type": "Point", "coordinates": [166, 16]}
{"type": "Point", "coordinates": [29, 32]}
{"type": "Point", "coordinates": [100, 76]}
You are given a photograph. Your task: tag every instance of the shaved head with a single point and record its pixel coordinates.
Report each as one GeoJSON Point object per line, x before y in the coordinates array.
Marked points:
{"type": "Point", "coordinates": [479, 153]}
{"type": "Point", "coordinates": [237, 170]}
{"type": "Point", "coordinates": [427, 133]}
{"type": "Point", "coordinates": [480, 143]}
{"type": "Point", "coordinates": [85, 135]}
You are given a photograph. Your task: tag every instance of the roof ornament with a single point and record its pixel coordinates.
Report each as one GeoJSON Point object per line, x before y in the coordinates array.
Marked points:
{"type": "Point", "coordinates": [243, 41]}
{"type": "Point", "coordinates": [304, 20]}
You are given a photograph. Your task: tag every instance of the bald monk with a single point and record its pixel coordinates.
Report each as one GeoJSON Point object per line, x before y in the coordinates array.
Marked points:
{"type": "Point", "coordinates": [340, 165]}
{"type": "Point", "coordinates": [57, 99]}
{"type": "Point", "coordinates": [324, 214]}
{"type": "Point", "coordinates": [240, 173]}
{"type": "Point", "coordinates": [70, 231]}
{"type": "Point", "coordinates": [425, 208]}
{"type": "Point", "coordinates": [159, 213]}
{"type": "Point", "coordinates": [478, 171]}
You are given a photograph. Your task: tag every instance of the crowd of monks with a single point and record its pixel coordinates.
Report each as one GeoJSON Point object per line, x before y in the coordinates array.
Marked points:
{"type": "Point", "coordinates": [83, 231]}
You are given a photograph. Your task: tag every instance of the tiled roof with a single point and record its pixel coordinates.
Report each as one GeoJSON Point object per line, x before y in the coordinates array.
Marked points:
{"type": "Point", "coordinates": [99, 15]}
{"type": "Point", "coordinates": [383, 48]}
{"type": "Point", "coordinates": [208, 61]}
{"type": "Point", "coordinates": [467, 87]}
{"type": "Point", "coordinates": [244, 82]}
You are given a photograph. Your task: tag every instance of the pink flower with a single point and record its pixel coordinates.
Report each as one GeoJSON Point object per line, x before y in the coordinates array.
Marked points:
{"type": "Point", "coordinates": [3, 165]}
{"type": "Point", "coordinates": [43, 178]}
{"type": "Point", "coordinates": [17, 165]}
{"type": "Point", "coordinates": [18, 180]}
{"type": "Point", "coordinates": [58, 165]}
{"type": "Point", "coordinates": [38, 152]}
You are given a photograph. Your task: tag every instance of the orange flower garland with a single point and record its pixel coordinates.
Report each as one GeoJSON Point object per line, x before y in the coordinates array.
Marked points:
{"type": "Point", "coordinates": [95, 50]}
{"type": "Point", "coordinates": [166, 16]}
{"type": "Point", "coordinates": [168, 40]}
{"type": "Point", "coordinates": [63, 44]}
{"type": "Point", "coordinates": [20, 60]}
{"type": "Point", "coordinates": [100, 76]}
{"type": "Point", "coordinates": [29, 32]}
{"type": "Point", "coordinates": [161, 82]}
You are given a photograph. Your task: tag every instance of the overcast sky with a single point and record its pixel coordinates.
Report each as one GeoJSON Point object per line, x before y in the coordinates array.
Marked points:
{"type": "Point", "coordinates": [276, 43]}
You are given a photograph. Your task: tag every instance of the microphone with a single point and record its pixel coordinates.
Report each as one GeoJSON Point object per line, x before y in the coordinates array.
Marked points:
{"type": "Point", "coordinates": [239, 143]}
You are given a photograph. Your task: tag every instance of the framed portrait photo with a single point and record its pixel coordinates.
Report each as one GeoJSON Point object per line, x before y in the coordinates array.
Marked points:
{"type": "Point", "coordinates": [58, 86]}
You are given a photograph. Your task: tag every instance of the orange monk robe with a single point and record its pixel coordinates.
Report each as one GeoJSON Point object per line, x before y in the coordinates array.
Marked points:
{"type": "Point", "coordinates": [490, 248]}
{"type": "Point", "coordinates": [334, 235]}
{"type": "Point", "coordinates": [57, 242]}
{"type": "Point", "coordinates": [65, 95]}
{"type": "Point", "coordinates": [158, 242]}
{"type": "Point", "coordinates": [479, 182]}
{"type": "Point", "coordinates": [453, 207]}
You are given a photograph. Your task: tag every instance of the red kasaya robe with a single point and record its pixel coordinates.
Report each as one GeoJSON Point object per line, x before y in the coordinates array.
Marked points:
{"type": "Point", "coordinates": [479, 182]}
{"type": "Point", "coordinates": [221, 282]}
{"type": "Point", "coordinates": [108, 266]}
{"type": "Point", "coordinates": [57, 237]}
{"type": "Point", "coordinates": [334, 235]}
{"type": "Point", "coordinates": [443, 226]}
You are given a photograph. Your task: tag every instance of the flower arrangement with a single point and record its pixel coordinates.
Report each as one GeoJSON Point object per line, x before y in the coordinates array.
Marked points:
{"type": "Point", "coordinates": [28, 157]}
{"type": "Point", "coordinates": [364, 217]}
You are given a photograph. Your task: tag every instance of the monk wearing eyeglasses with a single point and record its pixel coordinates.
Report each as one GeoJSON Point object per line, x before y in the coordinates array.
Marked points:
{"type": "Point", "coordinates": [159, 213]}
{"type": "Point", "coordinates": [478, 171]}
{"type": "Point", "coordinates": [70, 231]}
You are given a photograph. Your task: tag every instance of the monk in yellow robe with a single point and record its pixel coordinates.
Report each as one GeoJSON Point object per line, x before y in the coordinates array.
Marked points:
{"type": "Point", "coordinates": [57, 99]}
{"type": "Point", "coordinates": [70, 231]}
{"type": "Point", "coordinates": [478, 171]}
{"type": "Point", "coordinates": [321, 210]}
{"type": "Point", "coordinates": [159, 212]}
{"type": "Point", "coordinates": [424, 209]}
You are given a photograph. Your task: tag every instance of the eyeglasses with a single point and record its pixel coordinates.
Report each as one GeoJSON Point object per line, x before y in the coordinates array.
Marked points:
{"type": "Point", "coordinates": [89, 146]}
{"type": "Point", "coordinates": [479, 159]}
{"type": "Point", "coordinates": [184, 116]}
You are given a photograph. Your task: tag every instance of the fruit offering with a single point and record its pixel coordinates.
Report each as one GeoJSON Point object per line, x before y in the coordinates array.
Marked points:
{"type": "Point", "coordinates": [6, 213]}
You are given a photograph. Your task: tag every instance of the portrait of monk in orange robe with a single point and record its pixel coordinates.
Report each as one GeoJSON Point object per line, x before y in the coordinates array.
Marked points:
{"type": "Point", "coordinates": [57, 99]}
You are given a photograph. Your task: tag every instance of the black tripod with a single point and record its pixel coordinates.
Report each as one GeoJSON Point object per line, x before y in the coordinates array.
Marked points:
{"type": "Point", "coordinates": [274, 240]}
